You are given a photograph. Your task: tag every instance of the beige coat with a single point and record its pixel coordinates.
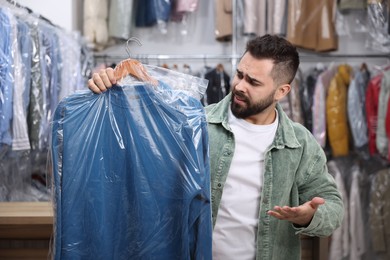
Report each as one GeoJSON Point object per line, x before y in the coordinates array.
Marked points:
{"type": "Point", "coordinates": [223, 20]}
{"type": "Point", "coordinates": [95, 22]}
{"type": "Point", "coordinates": [311, 24]}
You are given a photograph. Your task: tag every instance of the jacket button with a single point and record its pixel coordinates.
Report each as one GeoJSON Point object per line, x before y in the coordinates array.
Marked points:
{"type": "Point", "coordinates": [219, 185]}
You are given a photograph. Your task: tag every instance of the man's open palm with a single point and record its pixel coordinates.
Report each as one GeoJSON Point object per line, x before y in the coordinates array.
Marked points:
{"type": "Point", "coordinates": [301, 215]}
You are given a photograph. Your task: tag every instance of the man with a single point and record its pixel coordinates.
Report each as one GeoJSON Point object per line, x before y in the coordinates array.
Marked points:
{"type": "Point", "coordinates": [269, 180]}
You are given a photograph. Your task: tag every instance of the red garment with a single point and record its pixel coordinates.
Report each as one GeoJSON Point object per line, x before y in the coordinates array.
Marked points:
{"type": "Point", "coordinates": [372, 101]}
{"type": "Point", "coordinates": [387, 125]}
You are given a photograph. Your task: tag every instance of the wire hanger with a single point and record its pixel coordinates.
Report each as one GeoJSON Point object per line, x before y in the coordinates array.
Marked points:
{"type": "Point", "coordinates": [132, 67]}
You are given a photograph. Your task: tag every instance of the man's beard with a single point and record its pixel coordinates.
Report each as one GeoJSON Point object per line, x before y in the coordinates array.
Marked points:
{"type": "Point", "coordinates": [250, 109]}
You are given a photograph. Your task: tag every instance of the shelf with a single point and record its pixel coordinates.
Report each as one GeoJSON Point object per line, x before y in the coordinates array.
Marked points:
{"type": "Point", "coordinates": [26, 220]}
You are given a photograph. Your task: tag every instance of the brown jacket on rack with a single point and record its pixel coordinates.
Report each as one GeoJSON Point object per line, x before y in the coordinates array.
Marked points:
{"type": "Point", "coordinates": [223, 20]}
{"type": "Point", "coordinates": [311, 24]}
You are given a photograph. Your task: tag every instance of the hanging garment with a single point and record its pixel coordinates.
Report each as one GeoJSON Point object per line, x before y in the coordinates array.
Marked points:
{"type": "Point", "coordinates": [340, 241]}
{"type": "Point", "coordinates": [379, 211]}
{"type": "Point", "coordinates": [49, 52]}
{"type": "Point", "coordinates": [336, 111]}
{"type": "Point", "coordinates": [6, 77]}
{"type": "Point", "coordinates": [357, 225]}
{"type": "Point", "coordinates": [183, 7]}
{"type": "Point", "coordinates": [131, 175]}
{"type": "Point", "coordinates": [319, 104]}
{"type": "Point", "coordinates": [22, 65]}
{"type": "Point", "coordinates": [356, 107]}
{"type": "Point", "coordinates": [384, 94]}
{"type": "Point", "coordinates": [264, 16]}
{"type": "Point", "coordinates": [291, 103]}
{"type": "Point", "coordinates": [223, 20]}
{"type": "Point", "coordinates": [372, 98]}
{"type": "Point", "coordinates": [277, 17]}
{"type": "Point", "coordinates": [255, 17]}
{"type": "Point", "coordinates": [378, 25]}
{"type": "Point", "coordinates": [71, 78]}
{"type": "Point", "coordinates": [306, 92]}
{"type": "Point", "coordinates": [152, 12]}
{"type": "Point", "coordinates": [35, 113]}
{"type": "Point", "coordinates": [218, 86]}
{"type": "Point", "coordinates": [95, 22]}
{"type": "Point", "coordinates": [120, 18]}
{"type": "Point", "coordinates": [311, 24]}
{"type": "Point", "coordinates": [387, 127]}
{"type": "Point", "coordinates": [186, 5]}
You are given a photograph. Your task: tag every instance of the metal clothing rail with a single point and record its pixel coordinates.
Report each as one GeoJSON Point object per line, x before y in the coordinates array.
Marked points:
{"type": "Point", "coordinates": [166, 57]}
{"type": "Point", "coordinates": [305, 55]}
{"type": "Point", "coordinates": [205, 57]}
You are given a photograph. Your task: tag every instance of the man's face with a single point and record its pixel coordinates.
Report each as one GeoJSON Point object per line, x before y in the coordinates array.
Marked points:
{"type": "Point", "coordinates": [253, 87]}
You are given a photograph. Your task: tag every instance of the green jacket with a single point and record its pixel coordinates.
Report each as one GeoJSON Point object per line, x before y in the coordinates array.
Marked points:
{"type": "Point", "coordinates": [295, 172]}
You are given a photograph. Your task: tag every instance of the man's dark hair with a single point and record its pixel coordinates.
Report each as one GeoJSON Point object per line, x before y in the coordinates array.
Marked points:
{"type": "Point", "coordinates": [284, 55]}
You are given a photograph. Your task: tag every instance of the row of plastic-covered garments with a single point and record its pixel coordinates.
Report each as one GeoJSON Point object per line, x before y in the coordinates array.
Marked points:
{"type": "Point", "coordinates": [40, 64]}
{"type": "Point", "coordinates": [346, 108]}
{"type": "Point", "coordinates": [365, 186]}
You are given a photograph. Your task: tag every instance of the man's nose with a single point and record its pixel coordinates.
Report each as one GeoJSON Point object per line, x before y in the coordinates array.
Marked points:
{"type": "Point", "coordinates": [240, 86]}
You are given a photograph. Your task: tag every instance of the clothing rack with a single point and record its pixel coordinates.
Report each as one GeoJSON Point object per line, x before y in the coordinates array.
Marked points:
{"type": "Point", "coordinates": [303, 55]}
{"type": "Point", "coordinates": [157, 58]}
{"type": "Point", "coordinates": [16, 4]}
{"type": "Point", "coordinates": [166, 57]}
{"type": "Point", "coordinates": [306, 55]}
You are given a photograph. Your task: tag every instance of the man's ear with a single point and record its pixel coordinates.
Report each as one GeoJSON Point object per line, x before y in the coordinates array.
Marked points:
{"type": "Point", "coordinates": [282, 91]}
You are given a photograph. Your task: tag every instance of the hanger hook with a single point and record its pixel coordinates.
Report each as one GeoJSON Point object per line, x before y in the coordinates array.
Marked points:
{"type": "Point", "coordinates": [135, 39]}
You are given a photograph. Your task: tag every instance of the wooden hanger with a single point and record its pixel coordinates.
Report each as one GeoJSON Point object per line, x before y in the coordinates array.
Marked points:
{"type": "Point", "coordinates": [132, 67]}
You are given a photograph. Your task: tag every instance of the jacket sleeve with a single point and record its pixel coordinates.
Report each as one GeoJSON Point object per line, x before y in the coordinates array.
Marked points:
{"type": "Point", "coordinates": [318, 182]}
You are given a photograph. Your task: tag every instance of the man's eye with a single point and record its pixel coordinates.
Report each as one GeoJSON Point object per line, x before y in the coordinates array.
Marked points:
{"type": "Point", "coordinates": [252, 82]}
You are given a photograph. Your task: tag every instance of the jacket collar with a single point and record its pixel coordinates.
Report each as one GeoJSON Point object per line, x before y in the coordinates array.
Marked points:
{"type": "Point", "coordinates": [285, 134]}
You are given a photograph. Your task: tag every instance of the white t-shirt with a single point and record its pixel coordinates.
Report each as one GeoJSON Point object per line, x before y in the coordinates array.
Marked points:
{"type": "Point", "coordinates": [234, 234]}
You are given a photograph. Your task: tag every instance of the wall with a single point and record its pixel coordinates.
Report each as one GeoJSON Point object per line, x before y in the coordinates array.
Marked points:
{"type": "Point", "coordinates": [65, 13]}
{"type": "Point", "coordinates": [198, 40]}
